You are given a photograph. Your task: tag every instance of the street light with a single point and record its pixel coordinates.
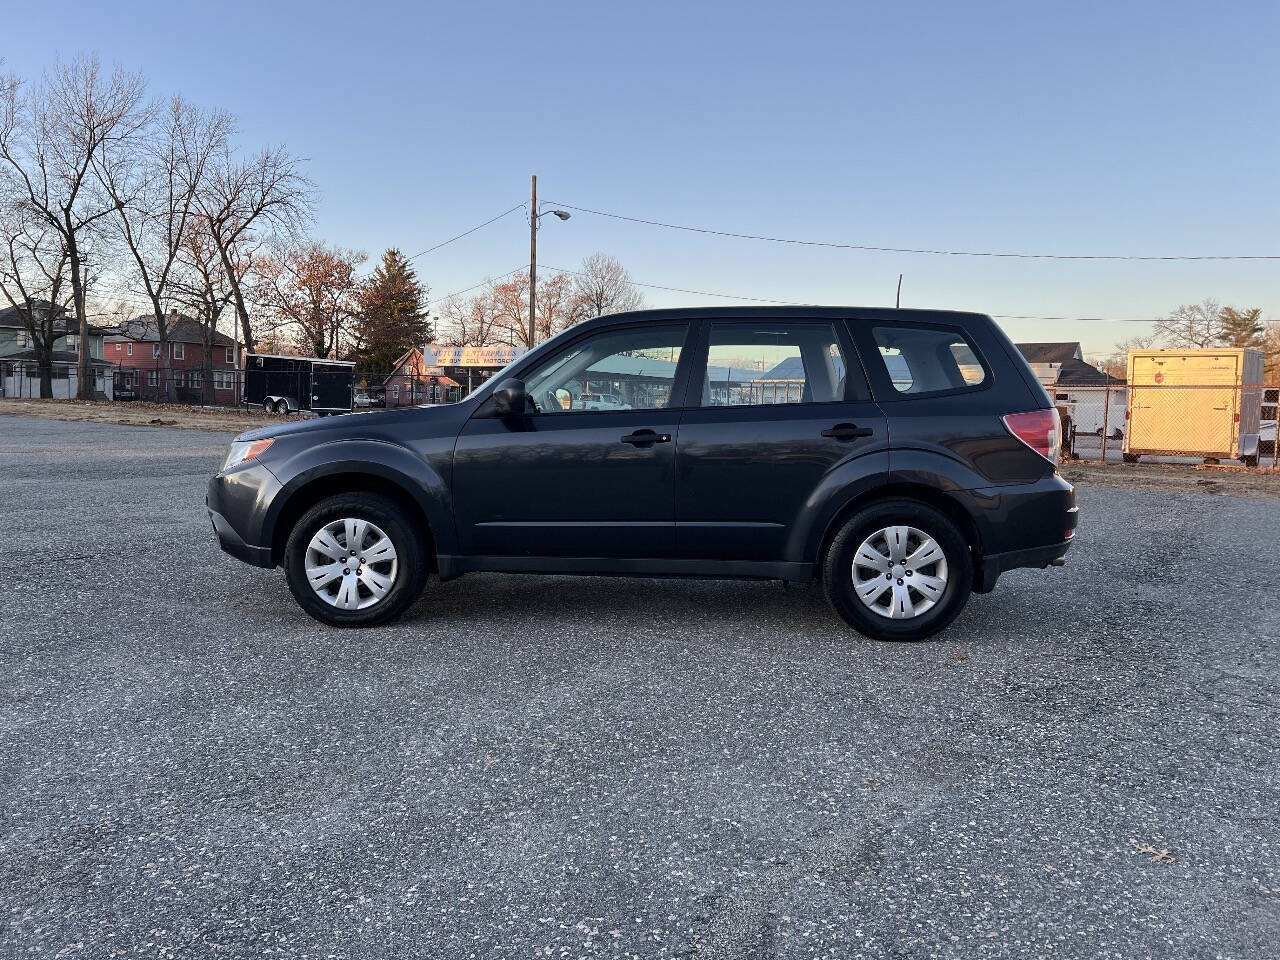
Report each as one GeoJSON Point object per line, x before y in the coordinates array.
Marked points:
{"type": "Point", "coordinates": [535, 216]}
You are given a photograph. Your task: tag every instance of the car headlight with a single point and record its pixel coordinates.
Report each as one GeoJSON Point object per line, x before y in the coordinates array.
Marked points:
{"type": "Point", "coordinates": [242, 450]}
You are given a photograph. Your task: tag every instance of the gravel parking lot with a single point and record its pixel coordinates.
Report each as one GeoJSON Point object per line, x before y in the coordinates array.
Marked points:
{"type": "Point", "coordinates": [1084, 765]}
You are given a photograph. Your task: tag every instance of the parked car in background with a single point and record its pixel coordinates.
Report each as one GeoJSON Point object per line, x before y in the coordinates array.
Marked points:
{"type": "Point", "coordinates": [368, 400]}
{"type": "Point", "coordinates": [597, 401]}
{"type": "Point", "coordinates": [910, 460]}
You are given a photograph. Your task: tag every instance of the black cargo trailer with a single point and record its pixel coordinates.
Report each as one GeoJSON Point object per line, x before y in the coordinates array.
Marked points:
{"type": "Point", "coordinates": [288, 384]}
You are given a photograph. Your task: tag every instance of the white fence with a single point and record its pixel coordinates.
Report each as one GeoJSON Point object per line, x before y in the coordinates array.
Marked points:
{"type": "Point", "coordinates": [20, 378]}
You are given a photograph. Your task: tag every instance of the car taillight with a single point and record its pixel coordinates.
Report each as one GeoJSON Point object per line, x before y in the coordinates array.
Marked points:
{"type": "Point", "coordinates": [1041, 430]}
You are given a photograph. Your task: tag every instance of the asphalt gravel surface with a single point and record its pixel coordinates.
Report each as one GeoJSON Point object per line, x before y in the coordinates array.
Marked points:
{"type": "Point", "coordinates": [1084, 765]}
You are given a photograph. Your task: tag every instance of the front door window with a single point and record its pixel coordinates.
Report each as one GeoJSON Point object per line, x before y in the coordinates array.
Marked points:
{"type": "Point", "coordinates": [633, 369]}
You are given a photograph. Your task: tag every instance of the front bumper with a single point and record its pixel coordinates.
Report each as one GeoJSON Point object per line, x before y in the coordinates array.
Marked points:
{"type": "Point", "coordinates": [232, 543]}
{"type": "Point", "coordinates": [237, 503]}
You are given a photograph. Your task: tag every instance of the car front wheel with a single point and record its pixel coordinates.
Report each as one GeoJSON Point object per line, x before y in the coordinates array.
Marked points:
{"type": "Point", "coordinates": [898, 570]}
{"type": "Point", "coordinates": [353, 560]}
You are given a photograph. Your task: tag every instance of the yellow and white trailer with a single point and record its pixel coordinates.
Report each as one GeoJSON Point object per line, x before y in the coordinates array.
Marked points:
{"type": "Point", "coordinates": [1194, 403]}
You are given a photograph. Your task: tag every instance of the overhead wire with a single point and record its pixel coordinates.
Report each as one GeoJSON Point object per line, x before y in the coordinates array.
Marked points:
{"type": "Point", "coordinates": [876, 248]}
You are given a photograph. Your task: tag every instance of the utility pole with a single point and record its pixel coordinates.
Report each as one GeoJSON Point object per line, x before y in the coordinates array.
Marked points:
{"type": "Point", "coordinates": [84, 370]}
{"type": "Point", "coordinates": [533, 256]}
{"type": "Point", "coordinates": [535, 216]}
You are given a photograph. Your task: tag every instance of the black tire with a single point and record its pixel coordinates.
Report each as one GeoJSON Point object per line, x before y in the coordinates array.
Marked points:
{"type": "Point", "coordinates": [405, 536]}
{"type": "Point", "coordinates": [838, 570]}
{"type": "Point", "coordinates": [268, 407]}
{"type": "Point", "coordinates": [1131, 458]}
{"type": "Point", "coordinates": [1250, 461]}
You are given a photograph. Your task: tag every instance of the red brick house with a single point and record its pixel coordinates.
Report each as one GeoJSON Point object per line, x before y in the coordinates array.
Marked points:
{"type": "Point", "coordinates": [135, 346]}
{"type": "Point", "coordinates": [413, 382]}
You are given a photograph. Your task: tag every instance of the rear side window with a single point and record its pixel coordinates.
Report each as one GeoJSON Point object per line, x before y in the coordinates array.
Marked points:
{"type": "Point", "coordinates": [759, 364]}
{"type": "Point", "coordinates": [928, 359]}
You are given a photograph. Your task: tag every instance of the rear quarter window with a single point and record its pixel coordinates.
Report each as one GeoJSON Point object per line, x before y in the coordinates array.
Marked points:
{"type": "Point", "coordinates": [932, 360]}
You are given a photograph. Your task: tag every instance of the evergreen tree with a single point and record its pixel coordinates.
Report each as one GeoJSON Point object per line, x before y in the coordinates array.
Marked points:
{"type": "Point", "coordinates": [392, 314]}
{"type": "Point", "coordinates": [1241, 328]}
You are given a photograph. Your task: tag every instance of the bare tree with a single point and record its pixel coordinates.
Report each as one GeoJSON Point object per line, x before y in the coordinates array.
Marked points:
{"type": "Point", "coordinates": [312, 287]}
{"type": "Point", "coordinates": [245, 198]}
{"type": "Point", "coordinates": [152, 179]}
{"type": "Point", "coordinates": [499, 313]}
{"type": "Point", "coordinates": [557, 307]}
{"type": "Point", "coordinates": [509, 301]}
{"type": "Point", "coordinates": [33, 280]}
{"type": "Point", "coordinates": [603, 286]}
{"type": "Point", "coordinates": [1116, 363]}
{"type": "Point", "coordinates": [202, 286]}
{"type": "Point", "coordinates": [470, 323]}
{"type": "Point", "coordinates": [1271, 351]}
{"type": "Point", "coordinates": [1191, 325]}
{"type": "Point", "coordinates": [50, 138]}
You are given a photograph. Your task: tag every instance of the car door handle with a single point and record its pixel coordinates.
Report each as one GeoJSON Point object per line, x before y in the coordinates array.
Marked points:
{"type": "Point", "coordinates": [847, 431]}
{"type": "Point", "coordinates": [645, 438]}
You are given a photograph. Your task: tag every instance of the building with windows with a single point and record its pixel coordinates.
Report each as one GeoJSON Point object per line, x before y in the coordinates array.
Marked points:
{"type": "Point", "coordinates": [1093, 398]}
{"type": "Point", "coordinates": [19, 366]}
{"type": "Point", "coordinates": [193, 377]}
{"type": "Point", "coordinates": [413, 381]}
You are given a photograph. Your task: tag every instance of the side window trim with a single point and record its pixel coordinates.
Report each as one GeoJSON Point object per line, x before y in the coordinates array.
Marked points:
{"type": "Point", "coordinates": [877, 371]}
{"type": "Point", "coordinates": [856, 386]}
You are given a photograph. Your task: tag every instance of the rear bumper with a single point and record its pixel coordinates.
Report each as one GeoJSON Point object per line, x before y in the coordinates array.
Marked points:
{"type": "Point", "coordinates": [1037, 557]}
{"type": "Point", "coordinates": [1027, 525]}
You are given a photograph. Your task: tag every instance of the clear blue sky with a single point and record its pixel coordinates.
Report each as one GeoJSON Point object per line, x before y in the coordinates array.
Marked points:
{"type": "Point", "coordinates": [1134, 128]}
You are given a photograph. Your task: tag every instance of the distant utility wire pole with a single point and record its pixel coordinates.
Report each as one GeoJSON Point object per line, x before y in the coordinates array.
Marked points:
{"type": "Point", "coordinates": [533, 255]}
{"type": "Point", "coordinates": [534, 216]}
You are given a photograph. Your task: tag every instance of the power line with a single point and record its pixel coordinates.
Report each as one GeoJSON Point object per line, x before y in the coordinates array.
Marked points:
{"type": "Point", "coordinates": [707, 293]}
{"type": "Point", "coordinates": [700, 293]}
{"type": "Point", "coordinates": [485, 282]}
{"type": "Point", "coordinates": [919, 250]}
{"type": "Point", "coordinates": [466, 233]}
{"type": "Point", "coordinates": [421, 253]}
{"type": "Point", "coordinates": [794, 303]}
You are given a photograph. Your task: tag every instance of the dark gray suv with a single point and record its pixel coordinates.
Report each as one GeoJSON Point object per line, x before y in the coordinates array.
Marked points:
{"type": "Point", "coordinates": [904, 458]}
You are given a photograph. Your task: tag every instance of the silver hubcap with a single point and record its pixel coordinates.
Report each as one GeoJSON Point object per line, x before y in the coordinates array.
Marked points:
{"type": "Point", "coordinates": [351, 564]}
{"type": "Point", "coordinates": [899, 572]}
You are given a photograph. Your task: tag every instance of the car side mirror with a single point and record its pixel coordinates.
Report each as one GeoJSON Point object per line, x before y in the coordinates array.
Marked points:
{"type": "Point", "coordinates": [509, 399]}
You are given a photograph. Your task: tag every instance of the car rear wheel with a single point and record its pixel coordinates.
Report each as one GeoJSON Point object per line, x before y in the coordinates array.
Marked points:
{"type": "Point", "coordinates": [898, 570]}
{"type": "Point", "coordinates": [353, 560]}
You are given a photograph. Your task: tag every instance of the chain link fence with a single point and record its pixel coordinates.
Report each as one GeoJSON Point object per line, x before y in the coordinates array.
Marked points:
{"type": "Point", "coordinates": [218, 387]}
{"type": "Point", "coordinates": [1182, 423]}
{"type": "Point", "coordinates": [1105, 424]}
